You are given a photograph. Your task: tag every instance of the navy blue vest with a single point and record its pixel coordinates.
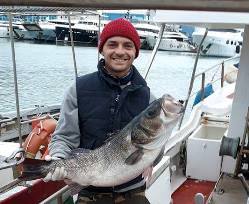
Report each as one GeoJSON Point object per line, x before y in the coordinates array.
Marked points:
{"type": "Point", "coordinates": [104, 108]}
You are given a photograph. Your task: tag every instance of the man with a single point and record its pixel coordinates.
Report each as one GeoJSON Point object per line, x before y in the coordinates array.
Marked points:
{"type": "Point", "coordinates": [101, 104]}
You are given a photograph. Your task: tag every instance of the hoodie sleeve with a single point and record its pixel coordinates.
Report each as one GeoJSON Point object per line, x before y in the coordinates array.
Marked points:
{"type": "Point", "coordinates": [67, 134]}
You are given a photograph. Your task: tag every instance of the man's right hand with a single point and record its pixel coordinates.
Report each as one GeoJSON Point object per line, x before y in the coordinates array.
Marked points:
{"type": "Point", "coordinates": [58, 174]}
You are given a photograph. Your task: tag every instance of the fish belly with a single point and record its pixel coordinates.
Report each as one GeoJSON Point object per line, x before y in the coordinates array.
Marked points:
{"type": "Point", "coordinates": [118, 172]}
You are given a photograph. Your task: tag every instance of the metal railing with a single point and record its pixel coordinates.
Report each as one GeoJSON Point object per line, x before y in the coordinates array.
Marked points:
{"type": "Point", "coordinates": [217, 66]}
{"type": "Point", "coordinates": [192, 77]}
{"type": "Point", "coordinates": [203, 75]}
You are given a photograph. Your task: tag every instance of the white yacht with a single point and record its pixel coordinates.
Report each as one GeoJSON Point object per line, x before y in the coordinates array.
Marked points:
{"type": "Point", "coordinates": [221, 43]}
{"type": "Point", "coordinates": [32, 31]}
{"type": "Point", "coordinates": [146, 30]}
{"type": "Point", "coordinates": [172, 41]}
{"type": "Point", "coordinates": [84, 31]}
{"type": "Point", "coordinates": [4, 30]}
{"type": "Point", "coordinates": [48, 31]}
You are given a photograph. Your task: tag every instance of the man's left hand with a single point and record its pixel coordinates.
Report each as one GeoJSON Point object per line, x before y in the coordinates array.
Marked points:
{"type": "Point", "coordinates": [147, 173]}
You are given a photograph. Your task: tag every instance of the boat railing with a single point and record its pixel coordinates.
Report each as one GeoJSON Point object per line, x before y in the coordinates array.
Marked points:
{"type": "Point", "coordinates": [8, 125]}
{"type": "Point", "coordinates": [57, 195]}
{"type": "Point", "coordinates": [27, 121]}
{"type": "Point", "coordinates": [219, 66]}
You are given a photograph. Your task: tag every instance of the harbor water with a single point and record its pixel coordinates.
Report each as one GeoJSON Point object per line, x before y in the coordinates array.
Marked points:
{"type": "Point", "coordinates": [44, 71]}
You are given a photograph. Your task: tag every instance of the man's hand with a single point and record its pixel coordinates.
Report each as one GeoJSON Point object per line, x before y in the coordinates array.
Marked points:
{"type": "Point", "coordinates": [58, 174]}
{"type": "Point", "coordinates": [147, 173]}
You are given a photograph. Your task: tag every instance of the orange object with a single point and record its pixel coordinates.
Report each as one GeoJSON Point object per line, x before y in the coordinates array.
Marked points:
{"type": "Point", "coordinates": [39, 137]}
{"type": "Point", "coordinates": [35, 122]}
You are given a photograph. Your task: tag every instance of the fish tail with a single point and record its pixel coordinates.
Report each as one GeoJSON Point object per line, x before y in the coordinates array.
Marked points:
{"type": "Point", "coordinates": [31, 169]}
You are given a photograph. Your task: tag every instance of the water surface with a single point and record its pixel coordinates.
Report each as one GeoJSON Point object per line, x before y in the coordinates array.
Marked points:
{"type": "Point", "coordinates": [44, 71]}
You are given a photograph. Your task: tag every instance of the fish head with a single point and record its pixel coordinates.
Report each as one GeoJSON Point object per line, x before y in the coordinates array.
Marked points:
{"type": "Point", "coordinates": [156, 120]}
{"type": "Point", "coordinates": [172, 109]}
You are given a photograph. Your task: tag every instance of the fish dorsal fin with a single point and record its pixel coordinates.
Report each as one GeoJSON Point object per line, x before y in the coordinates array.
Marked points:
{"type": "Point", "coordinates": [75, 188]}
{"type": "Point", "coordinates": [135, 157]}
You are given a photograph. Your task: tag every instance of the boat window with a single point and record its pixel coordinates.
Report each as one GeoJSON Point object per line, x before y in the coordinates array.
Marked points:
{"type": "Point", "coordinates": [226, 30]}
{"type": "Point", "coordinates": [227, 42]}
{"type": "Point", "coordinates": [147, 29]}
{"type": "Point", "coordinates": [32, 27]}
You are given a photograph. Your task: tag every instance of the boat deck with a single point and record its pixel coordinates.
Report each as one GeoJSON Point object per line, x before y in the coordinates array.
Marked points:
{"type": "Point", "coordinates": [229, 190]}
{"type": "Point", "coordinates": [186, 192]}
{"type": "Point", "coordinates": [233, 193]}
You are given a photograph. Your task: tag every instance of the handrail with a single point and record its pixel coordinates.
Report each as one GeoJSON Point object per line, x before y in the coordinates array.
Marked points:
{"type": "Point", "coordinates": [72, 45]}
{"type": "Point", "coordinates": [216, 65]}
{"type": "Point", "coordinates": [4, 121]}
{"type": "Point", "coordinates": [57, 194]}
{"type": "Point", "coordinates": [160, 35]}
{"type": "Point", "coordinates": [192, 78]}
{"type": "Point", "coordinates": [41, 9]}
{"type": "Point", "coordinates": [15, 79]}
{"type": "Point", "coordinates": [193, 5]}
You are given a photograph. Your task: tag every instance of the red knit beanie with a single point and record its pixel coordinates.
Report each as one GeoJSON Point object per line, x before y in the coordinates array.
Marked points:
{"type": "Point", "coordinates": [119, 27]}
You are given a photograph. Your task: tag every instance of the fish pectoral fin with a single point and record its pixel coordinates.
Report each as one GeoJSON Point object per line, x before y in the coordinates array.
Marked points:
{"type": "Point", "coordinates": [134, 157]}
{"type": "Point", "coordinates": [75, 188]}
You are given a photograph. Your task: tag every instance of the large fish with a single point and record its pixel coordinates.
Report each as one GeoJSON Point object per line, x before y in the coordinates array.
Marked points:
{"type": "Point", "coordinates": [123, 157]}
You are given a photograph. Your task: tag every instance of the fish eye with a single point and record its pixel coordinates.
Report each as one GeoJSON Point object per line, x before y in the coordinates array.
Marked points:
{"type": "Point", "coordinates": [153, 111]}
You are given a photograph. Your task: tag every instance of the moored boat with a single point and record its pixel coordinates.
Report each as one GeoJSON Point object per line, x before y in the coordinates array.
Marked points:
{"type": "Point", "coordinates": [172, 41]}
{"type": "Point", "coordinates": [220, 42]}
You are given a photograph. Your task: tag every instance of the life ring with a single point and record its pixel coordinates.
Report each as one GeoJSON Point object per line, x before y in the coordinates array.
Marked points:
{"type": "Point", "coordinates": [39, 138]}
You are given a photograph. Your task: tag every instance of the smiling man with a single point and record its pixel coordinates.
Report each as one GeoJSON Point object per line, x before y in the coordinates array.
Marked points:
{"type": "Point", "coordinates": [99, 105]}
{"type": "Point", "coordinates": [119, 54]}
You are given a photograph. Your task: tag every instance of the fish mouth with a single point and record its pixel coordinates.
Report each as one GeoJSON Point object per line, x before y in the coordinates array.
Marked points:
{"type": "Point", "coordinates": [171, 106]}
{"type": "Point", "coordinates": [166, 112]}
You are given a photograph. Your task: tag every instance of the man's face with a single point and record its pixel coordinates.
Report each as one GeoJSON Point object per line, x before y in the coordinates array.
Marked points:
{"type": "Point", "coordinates": [119, 54]}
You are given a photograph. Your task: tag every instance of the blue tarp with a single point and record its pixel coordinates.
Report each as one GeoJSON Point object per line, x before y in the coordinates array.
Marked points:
{"type": "Point", "coordinates": [208, 90]}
